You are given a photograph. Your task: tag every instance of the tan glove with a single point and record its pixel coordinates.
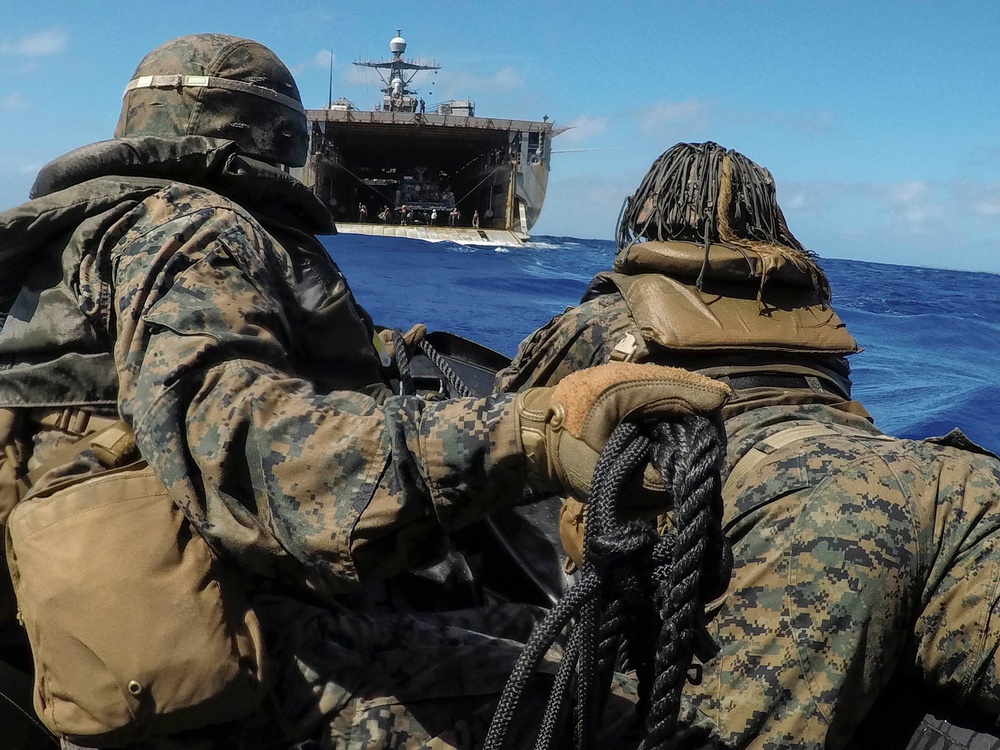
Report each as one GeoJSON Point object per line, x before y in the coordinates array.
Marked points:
{"type": "Point", "coordinates": [412, 337]}
{"type": "Point", "coordinates": [564, 428]}
{"type": "Point", "coordinates": [572, 516]}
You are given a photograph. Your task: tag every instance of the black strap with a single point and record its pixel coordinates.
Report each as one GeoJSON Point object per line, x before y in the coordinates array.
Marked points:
{"type": "Point", "coordinates": [16, 707]}
{"type": "Point", "coordinates": [782, 380]}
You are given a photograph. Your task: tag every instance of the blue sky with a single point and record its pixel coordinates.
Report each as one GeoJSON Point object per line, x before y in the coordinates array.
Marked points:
{"type": "Point", "coordinates": [879, 120]}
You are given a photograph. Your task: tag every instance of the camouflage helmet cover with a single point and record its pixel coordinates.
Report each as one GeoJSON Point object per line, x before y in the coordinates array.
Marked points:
{"type": "Point", "coordinates": [218, 86]}
{"type": "Point", "coordinates": [707, 194]}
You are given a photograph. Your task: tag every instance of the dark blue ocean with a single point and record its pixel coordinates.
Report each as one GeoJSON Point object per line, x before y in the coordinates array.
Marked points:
{"type": "Point", "coordinates": [931, 338]}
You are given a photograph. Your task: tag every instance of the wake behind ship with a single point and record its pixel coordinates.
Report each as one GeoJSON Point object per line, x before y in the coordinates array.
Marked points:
{"type": "Point", "coordinates": [433, 174]}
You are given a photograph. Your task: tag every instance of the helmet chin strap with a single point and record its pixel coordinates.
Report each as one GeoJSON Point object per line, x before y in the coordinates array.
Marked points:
{"type": "Point", "coordinates": [211, 82]}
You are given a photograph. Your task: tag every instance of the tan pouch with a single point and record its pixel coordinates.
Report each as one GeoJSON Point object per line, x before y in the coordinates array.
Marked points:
{"type": "Point", "coordinates": [12, 468]}
{"type": "Point", "coordinates": [135, 628]}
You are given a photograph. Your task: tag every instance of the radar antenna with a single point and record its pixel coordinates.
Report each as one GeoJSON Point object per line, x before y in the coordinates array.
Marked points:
{"type": "Point", "coordinates": [397, 74]}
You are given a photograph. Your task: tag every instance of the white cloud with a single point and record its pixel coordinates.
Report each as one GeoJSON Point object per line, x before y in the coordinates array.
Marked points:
{"type": "Point", "coordinates": [984, 157]}
{"type": "Point", "coordinates": [930, 209]}
{"type": "Point", "coordinates": [322, 60]}
{"type": "Point", "coordinates": [913, 205]}
{"type": "Point", "coordinates": [506, 79]}
{"type": "Point", "coordinates": [666, 117]}
{"type": "Point", "coordinates": [795, 201]}
{"type": "Point", "coordinates": [582, 129]}
{"type": "Point", "coordinates": [818, 196]}
{"type": "Point", "coordinates": [13, 101]}
{"type": "Point", "coordinates": [460, 84]}
{"type": "Point", "coordinates": [988, 206]}
{"type": "Point", "coordinates": [982, 199]}
{"type": "Point", "coordinates": [584, 205]}
{"type": "Point", "coordinates": [39, 44]}
{"type": "Point", "coordinates": [355, 75]}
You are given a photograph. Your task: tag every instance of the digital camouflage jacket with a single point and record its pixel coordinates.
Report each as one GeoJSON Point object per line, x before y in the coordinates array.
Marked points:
{"type": "Point", "coordinates": [855, 553]}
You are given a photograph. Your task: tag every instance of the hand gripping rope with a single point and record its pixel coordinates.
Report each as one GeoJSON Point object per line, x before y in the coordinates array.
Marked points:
{"type": "Point", "coordinates": [632, 579]}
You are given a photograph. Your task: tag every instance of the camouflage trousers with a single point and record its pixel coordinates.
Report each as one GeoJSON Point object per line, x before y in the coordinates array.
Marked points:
{"type": "Point", "coordinates": [855, 553]}
{"type": "Point", "coordinates": [412, 681]}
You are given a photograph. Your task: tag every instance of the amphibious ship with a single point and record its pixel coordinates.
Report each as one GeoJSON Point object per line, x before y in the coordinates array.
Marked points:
{"type": "Point", "coordinates": [442, 173]}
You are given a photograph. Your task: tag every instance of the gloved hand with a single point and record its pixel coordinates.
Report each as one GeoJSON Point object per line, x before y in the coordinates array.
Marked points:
{"type": "Point", "coordinates": [412, 337]}
{"type": "Point", "coordinates": [564, 428]}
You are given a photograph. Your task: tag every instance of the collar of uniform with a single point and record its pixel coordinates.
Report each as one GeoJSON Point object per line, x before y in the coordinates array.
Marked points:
{"type": "Point", "coordinates": [214, 163]}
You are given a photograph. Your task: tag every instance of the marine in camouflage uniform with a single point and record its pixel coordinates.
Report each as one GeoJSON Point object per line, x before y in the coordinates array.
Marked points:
{"type": "Point", "coordinates": [171, 277]}
{"type": "Point", "coordinates": [854, 552]}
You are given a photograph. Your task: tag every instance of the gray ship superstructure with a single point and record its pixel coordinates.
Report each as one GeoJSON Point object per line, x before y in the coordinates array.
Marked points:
{"type": "Point", "coordinates": [434, 174]}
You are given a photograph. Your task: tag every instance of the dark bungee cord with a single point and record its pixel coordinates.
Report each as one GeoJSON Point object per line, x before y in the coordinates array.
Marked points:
{"type": "Point", "coordinates": [455, 383]}
{"type": "Point", "coordinates": [402, 358]}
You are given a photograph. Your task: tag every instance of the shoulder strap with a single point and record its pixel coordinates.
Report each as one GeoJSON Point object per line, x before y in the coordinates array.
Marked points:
{"type": "Point", "coordinates": [112, 445]}
{"type": "Point", "coordinates": [753, 457]}
{"type": "Point", "coordinates": [17, 715]}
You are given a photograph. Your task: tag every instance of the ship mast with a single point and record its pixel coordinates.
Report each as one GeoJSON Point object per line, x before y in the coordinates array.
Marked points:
{"type": "Point", "coordinates": [396, 74]}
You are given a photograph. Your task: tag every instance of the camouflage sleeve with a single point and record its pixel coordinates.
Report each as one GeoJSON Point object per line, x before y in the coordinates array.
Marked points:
{"type": "Point", "coordinates": [581, 337]}
{"type": "Point", "coordinates": [268, 468]}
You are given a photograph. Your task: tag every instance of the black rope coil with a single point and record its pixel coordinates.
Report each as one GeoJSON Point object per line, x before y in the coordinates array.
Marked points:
{"type": "Point", "coordinates": [632, 578]}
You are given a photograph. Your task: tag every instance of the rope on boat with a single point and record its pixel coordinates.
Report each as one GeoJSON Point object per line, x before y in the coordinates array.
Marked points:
{"type": "Point", "coordinates": [455, 383]}
{"type": "Point", "coordinates": [638, 602]}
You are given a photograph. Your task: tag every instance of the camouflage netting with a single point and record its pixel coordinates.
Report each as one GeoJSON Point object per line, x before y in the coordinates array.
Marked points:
{"type": "Point", "coordinates": [710, 195]}
{"type": "Point", "coordinates": [218, 86]}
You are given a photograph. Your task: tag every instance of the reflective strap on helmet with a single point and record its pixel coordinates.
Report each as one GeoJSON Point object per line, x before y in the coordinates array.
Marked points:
{"type": "Point", "coordinates": [211, 82]}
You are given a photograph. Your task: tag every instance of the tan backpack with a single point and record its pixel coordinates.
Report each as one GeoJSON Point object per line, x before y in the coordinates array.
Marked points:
{"type": "Point", "coordinates": [136, 628]}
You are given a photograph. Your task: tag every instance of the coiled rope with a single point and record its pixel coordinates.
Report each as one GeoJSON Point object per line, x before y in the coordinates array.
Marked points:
{"type": "Point", "coordinates": [631, 577]}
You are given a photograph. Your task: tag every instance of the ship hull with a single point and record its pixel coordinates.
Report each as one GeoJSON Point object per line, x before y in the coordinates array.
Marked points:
{"type": "Point", "coordinates": [457, 235]}
{"type": "Point", "coordinates": [431, 164]}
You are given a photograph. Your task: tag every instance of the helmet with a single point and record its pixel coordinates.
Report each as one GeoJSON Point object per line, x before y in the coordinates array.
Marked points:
{"type": "Point", "coordinates": [706, 194]}
{"type": "Point", "coordinates": [218, 86]}
{"type": "Point", "coordinates": [699, 192]}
